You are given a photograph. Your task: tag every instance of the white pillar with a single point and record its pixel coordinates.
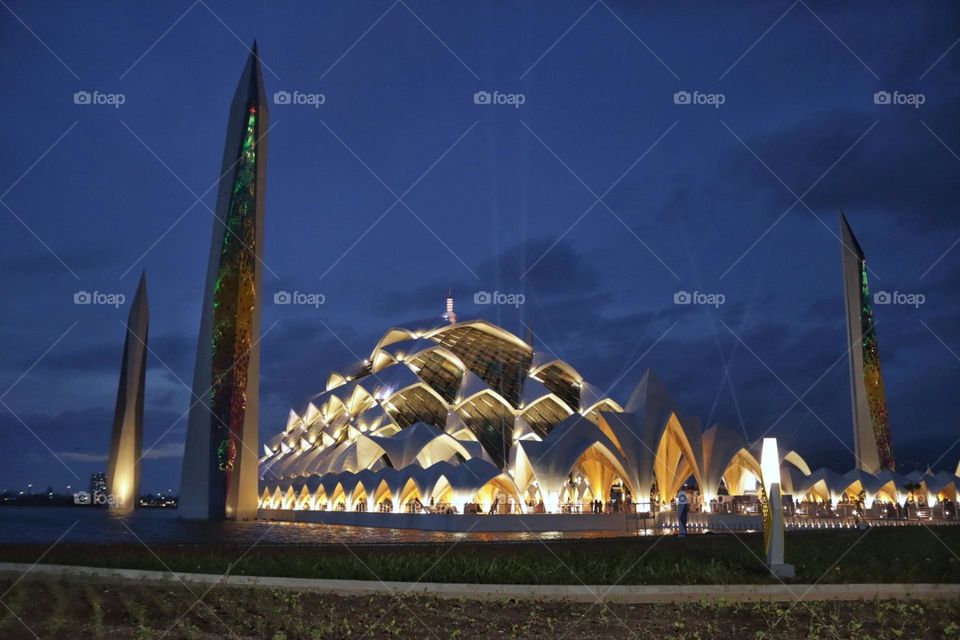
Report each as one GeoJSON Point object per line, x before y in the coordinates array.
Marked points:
{"type": "Point", "coordinates": [773, 535]}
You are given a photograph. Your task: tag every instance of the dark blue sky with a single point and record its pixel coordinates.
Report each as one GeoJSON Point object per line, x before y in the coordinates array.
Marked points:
{"type": "Point", "coordinates": [694, 198]}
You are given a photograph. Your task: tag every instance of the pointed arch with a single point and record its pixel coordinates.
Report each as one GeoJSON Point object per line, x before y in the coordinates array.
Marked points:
{"type": "Point", "coordinates": [394, 334]}
{"type": "Point", "coordinates": [674, 460]}
{"type": "Point", "coordinates": [289, 499]}
{"type": "Point", "coordinates": [276, 501]}
{"type": "Point", "coordinates": [489, 491]}
{"type": "Point", "coordinates": [358, 496]}
{"type": "Point", "coordinates": [320, 500]}
{"type": "Point", "coordinates": [593, 412]}
{"type": "Point", "coordinates": [360, 400]}
{"type": "Point", "coordinates": [338, 496]}
{"type": "Point", "coordinates": [797, 460]}
{"type": "Point", "coordinates": [741, 472]}
{"type": "Point", "coordinates": [335, 380]}
{"type": "Point", "coordinates": [383, 494]}
{"type": "Point", "coordinates": [410, 491]}
{"type": "Point", "coordinates": [600, 468]}
{"type": "Point", "coordinates": [304, 499]}
{"type": "Point", "coordinates": [311, 415]}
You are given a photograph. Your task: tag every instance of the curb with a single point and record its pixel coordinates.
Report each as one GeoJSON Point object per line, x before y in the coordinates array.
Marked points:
{"type": "Point", "coordinates": [631, 594]}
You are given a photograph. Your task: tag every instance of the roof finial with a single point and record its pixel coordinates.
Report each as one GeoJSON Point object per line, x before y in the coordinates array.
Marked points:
{"type": "Point", "coordinates": [449, 314]}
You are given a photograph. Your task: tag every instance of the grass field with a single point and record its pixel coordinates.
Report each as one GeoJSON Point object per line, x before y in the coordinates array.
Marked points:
{"type": "Point", "coordinates": [69, 611]}
{"type": "Point", "coordinates": [909, 554]}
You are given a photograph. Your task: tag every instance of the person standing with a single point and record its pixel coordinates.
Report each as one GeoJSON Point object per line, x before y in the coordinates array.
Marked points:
{"type": "Point", "coordinates": [683, 509]}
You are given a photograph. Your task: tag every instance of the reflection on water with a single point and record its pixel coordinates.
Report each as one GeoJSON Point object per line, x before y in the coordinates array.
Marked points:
{"type": "Point", "coordinates": [46, 525]}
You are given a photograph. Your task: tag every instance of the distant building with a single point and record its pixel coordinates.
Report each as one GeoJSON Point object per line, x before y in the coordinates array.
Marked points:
{"type": "Point", "coordinates": [98, 488]}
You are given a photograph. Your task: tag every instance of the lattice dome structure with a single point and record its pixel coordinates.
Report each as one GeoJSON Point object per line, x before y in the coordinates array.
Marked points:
{"type": "Point", "coordinates": [461, 416]}
{"type": "Point", "coordinates": [456, 400]}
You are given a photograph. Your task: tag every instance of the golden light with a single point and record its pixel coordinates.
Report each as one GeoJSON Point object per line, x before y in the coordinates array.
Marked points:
{"type": "Point", "coordinates": [769, 464]}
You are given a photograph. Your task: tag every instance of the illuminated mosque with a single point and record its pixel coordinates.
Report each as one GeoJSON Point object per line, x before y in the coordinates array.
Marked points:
{"type": "Point", "coordinates": [450, 419]}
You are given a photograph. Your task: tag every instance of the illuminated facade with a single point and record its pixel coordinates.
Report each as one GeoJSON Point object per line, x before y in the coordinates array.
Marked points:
{"type": "Point", "coordinates": [464, 416]}
{"type": "Point", "coordinates": [126, 438]}
{"type": "Point", "coordinates": [871, 428]}
{"type": "Point", "coordinates": [220, 466]}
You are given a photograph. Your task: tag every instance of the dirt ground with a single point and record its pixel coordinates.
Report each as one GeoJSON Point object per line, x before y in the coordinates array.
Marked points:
{"type": "Point", "coordinates": [52, 609]}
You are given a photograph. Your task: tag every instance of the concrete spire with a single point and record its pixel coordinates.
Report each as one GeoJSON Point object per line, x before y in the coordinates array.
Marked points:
{"type": "Point", "coordinates": [126, 439]}
{"type": "Point", "coordinates": [871, 430]}
{"type": "Point", "coordinates": [219, 478]}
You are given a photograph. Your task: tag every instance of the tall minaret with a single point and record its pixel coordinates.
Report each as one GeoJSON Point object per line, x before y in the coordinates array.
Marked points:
{"type": "Point", "coordinates": [871, 429]}
{"type": "Point", "coordinates": [219, 477]}
{"type": "Point", "coordinates": [126, 439]}
{"type": "Point", "coordinates": [449, 315]}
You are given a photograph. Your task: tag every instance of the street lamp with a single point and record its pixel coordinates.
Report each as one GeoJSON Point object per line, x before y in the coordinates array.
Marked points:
{"type": "Point", "coordinates": [773, 517]}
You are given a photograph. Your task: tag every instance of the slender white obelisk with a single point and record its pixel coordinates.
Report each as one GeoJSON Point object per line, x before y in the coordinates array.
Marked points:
{"type": "Point", "coordinates": [219, 477]}
{"type": "Point", "coordinates": [126, 439]}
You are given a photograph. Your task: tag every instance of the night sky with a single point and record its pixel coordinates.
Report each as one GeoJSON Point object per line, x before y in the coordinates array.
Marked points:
{"type": "Point", "coordinates": [598, 199]}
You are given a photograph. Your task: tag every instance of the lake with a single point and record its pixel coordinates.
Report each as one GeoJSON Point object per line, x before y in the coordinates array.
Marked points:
{"type": "Point", "coordinates": [93, 525]}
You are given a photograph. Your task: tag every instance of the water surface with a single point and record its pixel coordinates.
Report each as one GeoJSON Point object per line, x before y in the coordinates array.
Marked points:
{"type": "Point", "coordinates": [93, 525]}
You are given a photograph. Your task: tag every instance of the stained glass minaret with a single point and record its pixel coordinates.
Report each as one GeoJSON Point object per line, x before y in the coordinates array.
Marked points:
{"type": "Point", "coordinates": [871, 428]}
{"type": "Point", "coordinates": [219, 477]}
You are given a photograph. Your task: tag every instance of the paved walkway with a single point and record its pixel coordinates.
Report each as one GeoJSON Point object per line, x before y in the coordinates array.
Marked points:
{"type": "Point", "coordinates": [633, 594]}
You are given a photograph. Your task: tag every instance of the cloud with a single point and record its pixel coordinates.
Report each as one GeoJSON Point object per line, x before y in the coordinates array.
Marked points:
{"type": "Point", "coordinates": [553, 268]}
{"type": "Point", "coordinates": [165, 450]}
{"type": "Point", "coordinates": [899, 169]}
{"type": "Point", "coordinates": [79, 456]}
{"type": "Point", "coordinates": [90, 358]}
